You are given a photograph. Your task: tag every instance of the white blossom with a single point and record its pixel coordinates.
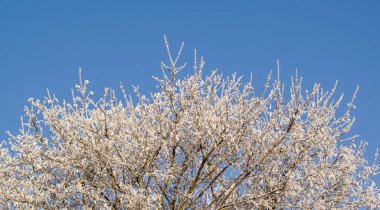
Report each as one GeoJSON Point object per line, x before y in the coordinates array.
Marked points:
{"type": "Point", "coordinates": [199, 142]}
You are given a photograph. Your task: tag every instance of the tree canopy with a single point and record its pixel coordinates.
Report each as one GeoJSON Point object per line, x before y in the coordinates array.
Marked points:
{"type": "Point", "coordinates": [200, 142]}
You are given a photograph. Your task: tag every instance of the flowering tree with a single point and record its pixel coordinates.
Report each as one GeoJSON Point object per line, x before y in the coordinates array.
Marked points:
{"type": "Point", "coordinates": [204, 142]}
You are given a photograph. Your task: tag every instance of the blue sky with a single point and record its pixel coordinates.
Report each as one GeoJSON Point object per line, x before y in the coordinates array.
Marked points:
{"type": "Point", "coordinates": [42, 44]}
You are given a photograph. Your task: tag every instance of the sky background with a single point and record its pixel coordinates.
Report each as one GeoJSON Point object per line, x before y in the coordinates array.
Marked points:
{"type": "Point", "coordinates": [43, 43]}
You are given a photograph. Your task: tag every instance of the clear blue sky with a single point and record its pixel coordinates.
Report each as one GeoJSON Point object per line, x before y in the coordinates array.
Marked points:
{"type": "Point", "coordinates": [42, 44]}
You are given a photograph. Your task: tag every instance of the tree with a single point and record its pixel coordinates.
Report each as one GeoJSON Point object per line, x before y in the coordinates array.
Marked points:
{"type": "Point", "coordinates": [202, 142]}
